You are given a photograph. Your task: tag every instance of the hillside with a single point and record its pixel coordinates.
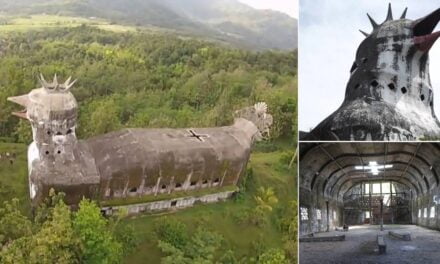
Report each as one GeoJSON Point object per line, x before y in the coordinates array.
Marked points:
{"type": "Point", "coordinates": [223, 20]}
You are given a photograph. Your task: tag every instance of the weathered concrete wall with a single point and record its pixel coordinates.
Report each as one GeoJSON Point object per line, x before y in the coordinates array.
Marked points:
{"type": "Point", "coordinates": [145, 162]}
{"type": "Point", "coordinates": [429, 202]}
{"type": "Point", "coordinates": [317, 213]}
{"type": "Point", "coordinates": [163, 205]}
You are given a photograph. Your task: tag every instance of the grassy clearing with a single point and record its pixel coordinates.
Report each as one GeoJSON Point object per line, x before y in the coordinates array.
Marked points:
{"type": "Point", "coordinates": [40, 22]}
{"type": "Point", "coordinates": [14, 178]}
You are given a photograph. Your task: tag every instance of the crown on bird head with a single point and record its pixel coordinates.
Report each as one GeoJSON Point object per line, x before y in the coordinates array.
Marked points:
{"type": "Point", "coordinates": [54, 86]}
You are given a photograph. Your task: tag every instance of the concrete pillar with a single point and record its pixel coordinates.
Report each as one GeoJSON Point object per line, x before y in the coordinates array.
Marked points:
{"type": "Point", "coordinates": [328, 217]}
{"type": "Point", "coordinates": [410, 204]}
{"type": "Point", "coordinates": [391, 207]}
{"type": "Point", "coordinates": [381, 214]}
{"type": "Point", "coordinates": [369, 202]}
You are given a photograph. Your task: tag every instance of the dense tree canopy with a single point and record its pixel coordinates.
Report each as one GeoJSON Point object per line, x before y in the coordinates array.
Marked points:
{"type": "Point", "coordinates": [58, 235]}
{"type": "Point", "coordinates": [147, 80]}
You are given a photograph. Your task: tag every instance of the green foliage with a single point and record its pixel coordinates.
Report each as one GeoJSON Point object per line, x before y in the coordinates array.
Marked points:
{"type": "Point", "coordinates": [258, 246]}
{"type": "Point", "coordinates": [23, 132]}
{"type": "Point", "coordinates": [14, 181]}
{"type": "Point", "coordinates": [265, 147]}
{"type": "Point", "coordinates": [126, 236]}
{"type": "Point", "coordinates": [146, 80]}
{"type": "Point", "coordinates": [244, 184]}
{"type": "Point", "coordinates": [59, 236]}
{"type": "Point", "coordinates": [171, 232]}
{"type": "Point", "coordinates": [53, 242]}
{"type": "Point", "coordinates": [265, 200]}
{"type": "Point", "coordinates": [13, 224]}
{"type": "Point", "coordinates": [228, 258]}
{"type": "Point", "coordinates": [97, 243]}
{"type": "Point", "coordinates": [45, 209]}
{"type": "Point", "coordinates": [104, 118]}
{"type": "Point", "coordinates": [286, 158]}
{"type": "Point", "coordinates": [273, 256]}
{"type": "Point", "coordinates": [200, 249]}
{"type": "Point", "coordinates": [204, 245]}
{"type": "Point", "coordinates": [289, 227]}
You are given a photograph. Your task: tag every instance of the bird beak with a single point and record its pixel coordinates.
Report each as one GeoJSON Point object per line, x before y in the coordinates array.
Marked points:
{"type": "Point", "coordinates": [423, 28]}
{"type": "Point", "coordinates": [22, 100]}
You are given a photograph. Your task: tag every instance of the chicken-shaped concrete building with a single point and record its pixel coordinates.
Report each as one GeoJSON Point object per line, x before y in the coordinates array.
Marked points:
{"type": "Point", "coordinates": [389, 94]}
{"type": "Point", "coordinates": [146, 169]}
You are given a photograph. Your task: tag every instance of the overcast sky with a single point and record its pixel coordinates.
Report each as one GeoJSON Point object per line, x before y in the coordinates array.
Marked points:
{"type": "Point", "coordinates": [328, 39]}
{"type": "Point", "coordinates": [289, 7]}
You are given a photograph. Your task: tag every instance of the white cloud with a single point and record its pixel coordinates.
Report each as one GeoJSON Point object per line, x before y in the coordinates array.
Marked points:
{"type": "Point", "coordinates": [289, 7]}
{"type": "Point", "coordinates": [328, 39]}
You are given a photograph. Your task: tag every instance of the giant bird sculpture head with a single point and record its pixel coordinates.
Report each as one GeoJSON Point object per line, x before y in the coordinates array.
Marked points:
{"type": "Point", "coordinates": [389, 94]}
{"type": "Point", "coordinates": [392, 62]}
{"type": "Point", "coordinates": [258, 115]}
{"type": "Point", "coordinates": [51, 109]}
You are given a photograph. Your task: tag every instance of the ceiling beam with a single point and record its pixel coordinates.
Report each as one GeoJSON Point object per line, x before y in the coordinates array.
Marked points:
{"type": "Point", "coordinates": [350, 155]}
{"type": "Point", "coordinates": [417, 176]}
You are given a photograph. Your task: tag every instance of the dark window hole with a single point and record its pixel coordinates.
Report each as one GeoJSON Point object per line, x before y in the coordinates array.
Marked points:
{"type": "Point", "coordinates": [164, 186]}
{"type": "Point", "coordinates": [69, 131]}
{"type": "Point", "coordinates": [403, 89]}
{"type": "Point", "coordinates": [58, 134]}
{"type": "Point", "coordinates": [217, 180]}
{"type": "Point", "coordinates": [391, 86]}
{"type": "Point", "coordinates": [374, 83]}
{"type": "Point", "coordinates": [47, 152]}
{"type": "Point", "coordinates": [193, 183]}
{"type": "Point", "coordinates": [134, 189]}
{"type": "Point", "coordinates": [205, 181]}
{"type": "Point", "coordinates": [422, 97]}
{"type": "Point", "coordinates": [431, 103]}
{"type": "Point", "coordinates": [59, 151]}
{"type": "Point", "coordinates": [173, 203]}
{"type": "Point", "coordinates": [178, 185]}
{"type": "Point", "coordinates": [48, 132]}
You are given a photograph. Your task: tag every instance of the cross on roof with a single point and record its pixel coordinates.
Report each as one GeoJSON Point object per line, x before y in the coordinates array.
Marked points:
{"type": "Point", "coordinates": [374, 167]}
{"type": "Point", "coordinates": [197, 135]}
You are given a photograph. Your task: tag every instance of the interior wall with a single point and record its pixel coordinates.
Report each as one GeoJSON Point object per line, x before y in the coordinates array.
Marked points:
{"type": "Point", "coordinates": [313, 204]}
{"type": "Point", "coordinates": [432, 218]}
{"type": "Point", "coordinates": [418, 163]}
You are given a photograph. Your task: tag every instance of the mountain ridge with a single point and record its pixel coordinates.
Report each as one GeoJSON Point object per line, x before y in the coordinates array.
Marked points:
{"type": "Point", "coordinates": [225, 20]}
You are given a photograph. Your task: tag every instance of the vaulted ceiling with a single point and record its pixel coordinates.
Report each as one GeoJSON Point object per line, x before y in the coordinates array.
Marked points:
{"type": "Point", "coordinates": [329, 169]}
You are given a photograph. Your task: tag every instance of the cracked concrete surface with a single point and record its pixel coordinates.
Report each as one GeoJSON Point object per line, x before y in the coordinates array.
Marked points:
{"type": "Point", "coordinates": [360, 247]}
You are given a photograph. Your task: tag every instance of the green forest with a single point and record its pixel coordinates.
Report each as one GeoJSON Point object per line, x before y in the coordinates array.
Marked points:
{"type": "Point", "coordinates": [151, 80]}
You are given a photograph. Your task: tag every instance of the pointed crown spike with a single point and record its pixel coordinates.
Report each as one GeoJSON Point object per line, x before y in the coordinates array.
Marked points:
{"type": "Point", "coordinates": [54, 85]}
{"type": "Point", "coordinates": [364, 33]}
{"type": "Point", "coordinates": [42, 81]}
{"type": "Point", "coordinates": [373, 23]}
{"type": "Point", "coordinates": [68, 80]}
{"type": "Point", "coordinates": [55, 79]}
{"type": "Point", "coordinates": [69, 85]}
{"type": "Point", "coordinates": [403, 16]}
{"type": "Point", "coordinates": [390, 13]}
